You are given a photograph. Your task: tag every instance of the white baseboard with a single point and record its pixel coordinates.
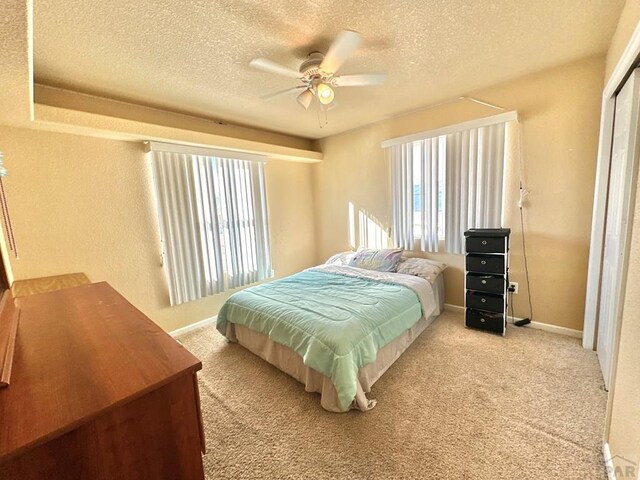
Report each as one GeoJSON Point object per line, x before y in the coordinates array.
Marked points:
{"type": "Point", "coordinates": [193, 326]}
{"type": "Point", "coordinates": [608, 461]}
{"type": "Point", "coordinates": [537, 325]}
{"type": "Point", "coordinates": [453, 308]}
{"type": "Point", "coordinates": [570, 332]}
{"type": "Point", "coordinates": [447, 306]}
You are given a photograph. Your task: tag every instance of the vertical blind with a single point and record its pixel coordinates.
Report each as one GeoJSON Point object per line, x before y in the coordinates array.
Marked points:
{"type": "Point", "coordinates": [428, 166]}
{"type": "Point", "coordinates": [475, 168]}
{"type": "Point", "coordinates": [401, 161]}
{"type": "Point", "coordinates": [473, 161]}
{"type": "Point", "coordinates": [244, 221]}
{"type": "Point", "coordinates": [414, 167]}
{"type": "Point", "coordinates": [213, 221]}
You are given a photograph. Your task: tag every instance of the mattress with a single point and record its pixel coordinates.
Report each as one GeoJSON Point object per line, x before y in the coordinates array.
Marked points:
{"type": "Point", "coordinates": [291, 323]}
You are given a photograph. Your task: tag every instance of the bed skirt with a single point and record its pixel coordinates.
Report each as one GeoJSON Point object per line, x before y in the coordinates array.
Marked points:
{"type": "Point", "coordinates": [287, 360]}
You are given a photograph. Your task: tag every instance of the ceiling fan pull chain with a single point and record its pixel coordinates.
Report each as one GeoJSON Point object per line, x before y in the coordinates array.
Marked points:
{"type": "Point", "coordinates": [326, 117]}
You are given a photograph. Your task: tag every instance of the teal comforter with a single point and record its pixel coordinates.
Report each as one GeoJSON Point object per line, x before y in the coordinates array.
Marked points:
{"type": "Point", "coordinates": [336, 323]}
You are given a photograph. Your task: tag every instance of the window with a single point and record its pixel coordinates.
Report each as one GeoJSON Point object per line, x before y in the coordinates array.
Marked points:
{"type": "Point", "coordinates": [446, 181]}
{"type": "Point", "coordinates": [417, 188]}
{"type": "Point", "coordinates": [213, 219]}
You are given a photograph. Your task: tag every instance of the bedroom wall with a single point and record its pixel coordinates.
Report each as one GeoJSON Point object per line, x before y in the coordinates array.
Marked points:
{"type": "Point", "coordinates": [560, 112]}
{"type": "Point", "coordinates": [86, 204]}
{"type": "Point", "coordinates": [626, 25]}
{"type": "Point", "coordinates": [624, 398]}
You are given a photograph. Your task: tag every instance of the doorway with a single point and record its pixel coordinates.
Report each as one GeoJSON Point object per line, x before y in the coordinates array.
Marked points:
{"type": "Point", "coordinates": [619, 215]}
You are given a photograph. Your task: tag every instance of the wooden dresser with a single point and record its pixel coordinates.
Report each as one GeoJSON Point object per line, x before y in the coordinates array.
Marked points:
{"type": "Point", "coordinates": [98, 392]}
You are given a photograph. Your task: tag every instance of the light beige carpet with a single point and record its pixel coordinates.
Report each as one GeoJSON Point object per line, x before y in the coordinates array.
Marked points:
{"type": "Point", "coordinates": [459, 404]}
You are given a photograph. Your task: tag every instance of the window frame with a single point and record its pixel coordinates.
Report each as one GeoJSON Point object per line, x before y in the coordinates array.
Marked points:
{"type": "Point", "coordinates": [217, 201]}
{"type": "Point", "coordinates": [443, 134]}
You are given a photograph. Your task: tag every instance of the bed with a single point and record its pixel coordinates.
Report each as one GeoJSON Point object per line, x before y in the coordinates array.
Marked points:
{"type": "Point", "coordinates": [334, 328]}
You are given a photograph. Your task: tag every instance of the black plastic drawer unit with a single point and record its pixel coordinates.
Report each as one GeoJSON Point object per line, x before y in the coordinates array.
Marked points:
{"type": "Point", "coordinates": [485, 283]}
{"type": "Point", "coordinates": [485, 301]}
{"type": "Point", "coordinates": [486, 245]}
{"type": "Point", "coordinates": [486, 278]}
{"type": "Point", "coordinates": [485, 263]}
{"type": "Point", "coordinates": [493, 322]}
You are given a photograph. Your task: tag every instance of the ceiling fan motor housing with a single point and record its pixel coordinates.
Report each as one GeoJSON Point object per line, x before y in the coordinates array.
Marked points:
{"type": "Point", "coordinates": [311, 66]}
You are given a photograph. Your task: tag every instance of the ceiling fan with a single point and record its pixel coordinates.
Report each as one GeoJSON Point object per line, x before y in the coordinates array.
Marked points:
{"type": "Point", "coordinates": [318, 72]}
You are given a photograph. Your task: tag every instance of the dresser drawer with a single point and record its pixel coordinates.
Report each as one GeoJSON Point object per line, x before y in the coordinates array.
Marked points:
{"type": "Point", "coordinates": [493, 322]}
{"type": "Point", "coordinates": [485, 301]}
{"type": "Point", "coordinates": [485, 283]}
{"type": "Point", "coordinates": [485, 263]}
{"type": "Point", "coordinates": [486, 244]}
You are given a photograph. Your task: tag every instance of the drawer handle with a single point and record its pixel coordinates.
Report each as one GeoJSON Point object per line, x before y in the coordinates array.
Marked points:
{"type": "Point", "coordinates": [484, 242]}
{"type": "Point", "coordinates": [483, 300]}
{"type": "Point", "coordinates": [482, 320]}
{"type": "Point", "coordinates": [483, 262]}
{"type": "Point", "coordinates": [484, 282]}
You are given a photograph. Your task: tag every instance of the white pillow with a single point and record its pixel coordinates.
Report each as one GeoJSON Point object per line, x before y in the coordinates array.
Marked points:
{"type": "Point", "coordinates": [341, 259]}
{"type": "Point", "coordinates": [381, 259]}
{"type": "Point", "coordinates": [421, 267]}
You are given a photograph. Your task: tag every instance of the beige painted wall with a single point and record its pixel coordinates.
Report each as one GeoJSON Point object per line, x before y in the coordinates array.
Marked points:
{"type": "Point", "coordinates": [85, 204]}
{"type": "Point", "coordinates": [626, 25]}
{"type": "Point", "coordinates": [560, 112]}
{"type": "Point", "coordinates": [624, 398]}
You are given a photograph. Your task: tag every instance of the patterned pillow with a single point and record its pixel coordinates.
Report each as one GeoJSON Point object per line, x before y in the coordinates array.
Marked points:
{"type": "Point", "coordinates": [421, 267]}
{"type": "Point", "coordinates": [384, 260]}
{"type": "Point", "coordinates": [341, 259]}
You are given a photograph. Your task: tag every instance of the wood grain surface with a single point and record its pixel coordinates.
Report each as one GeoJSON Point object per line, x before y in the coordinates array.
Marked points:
{"type": "Point", "coordinates": [9, 316]}
{"type": "Point", "coordinates": [32, 286]}
{"type": "Point", "coordinates": [79, 353]}
{"type": "Point", "coordinates": [154, 437]}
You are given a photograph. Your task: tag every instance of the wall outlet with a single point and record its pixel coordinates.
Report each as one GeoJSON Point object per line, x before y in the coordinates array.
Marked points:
{"type": "Point", "coordinates": [513, 287]}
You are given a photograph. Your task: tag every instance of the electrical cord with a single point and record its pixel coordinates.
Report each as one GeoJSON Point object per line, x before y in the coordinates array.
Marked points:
{"type": "Point", "coordinates": [513, 315]}
{"type": "Point", "coordinates": [526, 264]}
{"type": "Point", "coordinates": [523, 194]}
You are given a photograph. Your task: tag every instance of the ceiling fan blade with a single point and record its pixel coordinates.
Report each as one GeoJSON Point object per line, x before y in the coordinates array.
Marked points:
{"type": "Point", "coordinates": [359, 80]}
{"type": "Point", "coordinates": [281, 92]}
{"type": "Point", "coordinates": [305, 98]}
{"type": "Point", "coordinates": [342, 47]}
{"type": "Point", "coordinates": [273, 67]}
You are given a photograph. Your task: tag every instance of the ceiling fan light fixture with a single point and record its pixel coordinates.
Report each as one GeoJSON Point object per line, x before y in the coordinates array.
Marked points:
{"type": "Point", "coordinates": [325, 94]}
{"type": "Point", "coordinates": [329, 106]}
{"type": "Point", "coordinates": [305, 98]}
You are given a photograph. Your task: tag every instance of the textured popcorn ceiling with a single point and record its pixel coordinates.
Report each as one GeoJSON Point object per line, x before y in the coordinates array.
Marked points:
{"type": "Point", "coordinates": [16, 72]}
{"type": "Point", "coordinates": [192, 56]}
